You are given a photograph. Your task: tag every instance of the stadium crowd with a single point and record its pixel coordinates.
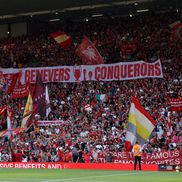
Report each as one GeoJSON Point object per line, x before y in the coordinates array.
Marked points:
{"type": "Point", "coordinates": [84, 134]}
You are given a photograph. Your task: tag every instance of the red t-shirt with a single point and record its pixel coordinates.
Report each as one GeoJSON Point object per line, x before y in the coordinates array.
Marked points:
{"type": "Point", "coordinates": [86, 157]}
{"type": "Point", "coordinates": [18, 157]}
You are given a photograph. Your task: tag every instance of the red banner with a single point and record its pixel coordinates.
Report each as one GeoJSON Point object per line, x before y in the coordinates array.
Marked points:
{"type": "Point", "coordinates": [165, 157]}
{"type": "Point", "coordinates": [176, 104]}
{"type": "Point", "coordinates": [90, 166]}
{"type": "Point", "coordinates": [20, 90]}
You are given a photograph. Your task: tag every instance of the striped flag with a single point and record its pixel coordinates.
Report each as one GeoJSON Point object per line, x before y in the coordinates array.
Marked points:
{"type": "Point", "coordinates": [140, 125]}
{"type": "Point", "coordinates": [62, 38]}
{"type": "Point", "coordinates": [101, 97]}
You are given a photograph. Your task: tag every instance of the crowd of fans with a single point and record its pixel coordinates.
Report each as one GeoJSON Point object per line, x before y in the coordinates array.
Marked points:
{"type": "Point", "coordinates": [149, 36]}
{"type": "Point", "coordinates": [82, 135]}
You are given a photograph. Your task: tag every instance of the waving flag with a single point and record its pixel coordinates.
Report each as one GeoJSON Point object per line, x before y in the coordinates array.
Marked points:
{"type": "Point", "coordinates": [9, 120]}
{"type": "Point", "coordinates": [48, 107]}
{"type": "Point", "coordinates": [176, 28]}
{"type": "Point", "coordinates": [140, 125]}
{"type": "Point", "coordinates": [37, 103]}
{"type": "Point", "coordinates": [8, 82]}
{"type": "Point", "coordinates": [20, 91]}
{"type": "Point", "coordinates": [3, 123]}
{"type": "Point", "coordinates": [62, 38]}
{"type": "Point", "coordinates": [2, 110]}
{"type": "Point", "coordinates": [27, 112]}
{"type": "Point", "coordinates": [39, 97]}
{"type": "Point", "coordinates": [101, 97]}
{"type": "Point", "coordinates": [88, 53]}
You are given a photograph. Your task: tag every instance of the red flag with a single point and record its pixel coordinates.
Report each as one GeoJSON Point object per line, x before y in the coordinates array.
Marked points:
{"type": "Point", "coordinates": [39, 97]}
{"type": "Point", "coordinates": [20, 91]}
{"type": "Point", "coordinates": [62, 38]}
{"type": "Point", "coordinates": [127, 49]}
{"type": "Point", "coordinates": [2, 110]}
{"type": "Point", "coordinates": [12, 82]}
{"type": "Point", "coordinates": [3, 123]}
{"type": "Point", "coordinates": [88, 53]}
{"type": "Point", "coordinates": [9, 47]}
{"type": "Point", "coordinates": [176, 28]}
{"type": "Point", "coordinates": [36, 103]}
{"type": "Point", "coordinates": [8, 82]}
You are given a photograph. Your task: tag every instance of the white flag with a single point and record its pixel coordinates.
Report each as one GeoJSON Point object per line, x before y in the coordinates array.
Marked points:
{"type": "Point", "coordinates": [48, 107]}
{"type": "Point", "coordinates": [10, 134]}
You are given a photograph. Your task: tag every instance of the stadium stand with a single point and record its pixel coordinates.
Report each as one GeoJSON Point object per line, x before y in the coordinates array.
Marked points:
{"type": "Point", "coordinates": [83, 135]}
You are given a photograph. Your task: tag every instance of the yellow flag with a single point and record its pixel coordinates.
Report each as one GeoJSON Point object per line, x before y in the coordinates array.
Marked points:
{"type": "Point", "coordinates": [27, 112]}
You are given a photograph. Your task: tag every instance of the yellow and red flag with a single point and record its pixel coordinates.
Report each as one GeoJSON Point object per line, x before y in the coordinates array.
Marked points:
{"type": "Point", "coordinates": [62, 38]}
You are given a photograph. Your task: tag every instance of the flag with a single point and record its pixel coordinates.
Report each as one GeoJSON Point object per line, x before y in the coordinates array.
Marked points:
{"type": "Point", "coordinates": [3, 123]}
{"type": "Point", "coordinates": [88, 53]}
{"type": "Point", "coordinates": [20, 91]}
{"type": "Point", "coordinates": [8, 82]}
{"type": "Point", "coordinates": [9, 120]}
{"type": "Point", "coordinates": [39, 97]}
{"type": "Point", "coordinates": [5, 126]}
{"type": "Point", "coordinates": [36, 103]}
{"type": "Point", "coordinates": [9, 47]}
{"type": "Point", "coordinates": [2, 110]}
{"type": "Point", "coordinates": [176, 104]}
{"type": "Point", "coordinates": [176, 28]}
{"type": "Point", "coordinates": [127, 49]}
{"type": "Point", "coordinates": [101, 97]}
{"type": "Point", "coordinates": [140, 125]}
{"type": "Point", "coordinates": [48, 107]}
{"type": "Point", "coordinates": [27, 112]}
{"type": "Point", "coordinates": [15, 131]}
{"type": "Point", "coordinates": [62, 38]}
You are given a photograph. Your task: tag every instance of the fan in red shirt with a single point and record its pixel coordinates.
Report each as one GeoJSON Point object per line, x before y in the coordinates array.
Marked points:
{"type": "Point", "coordinates": [18, 156]}
{"type": "Point", "coordinates": [60, 154]}
{"type": "Point", "coordinates": [86, 156]}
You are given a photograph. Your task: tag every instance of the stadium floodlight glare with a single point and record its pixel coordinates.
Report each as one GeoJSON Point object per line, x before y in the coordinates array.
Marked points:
{"type": "Point", "coordinates": [98, 15]}
{"type": "Point", "coordinates": [53, 20]}
{"type": "Point", "coordinates": [142, 10]}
